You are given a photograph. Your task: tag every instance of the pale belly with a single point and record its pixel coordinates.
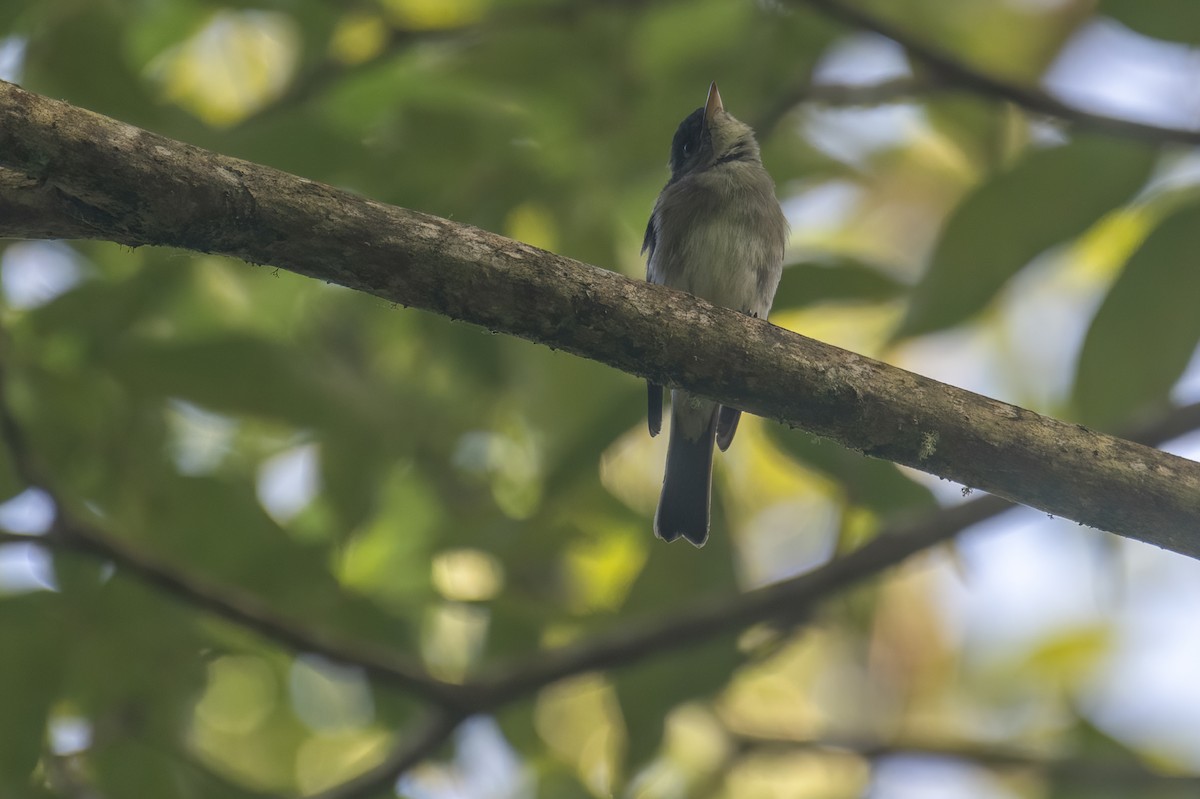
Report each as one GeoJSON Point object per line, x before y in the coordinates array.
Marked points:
{"type": "Point", "coordinates": [726, 264]}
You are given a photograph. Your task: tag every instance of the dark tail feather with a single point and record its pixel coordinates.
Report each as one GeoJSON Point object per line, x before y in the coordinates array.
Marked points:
{"type": "Point", "coordinates": [727, 423]}
{"type": "Point", "coordinates": [654, 402]}
{"type": "Point", "coordinates": [683, 505]}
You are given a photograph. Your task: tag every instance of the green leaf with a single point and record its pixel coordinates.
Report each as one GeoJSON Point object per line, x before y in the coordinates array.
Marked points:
{"type": "Point", "coordinates": [30, 673]}
{"type": "Point", "coordinates": [1175, 20]}
{"type": "Point", "coordinates": [10, 483]}
{"type": "Point", "coordinates": [1147, 328]}
{"type": "Point", "coordinates": [132, 768]}
{"type": "Point", "coordinates": [809, 283]}
{"type": "Point", "coordinates": [673, 576]}
{"type": "Point", "coordinates": [231, 374]}
{"type": "Point", "coordinates": [13, 13]}
{"type": "Point", "coordinates": [555, 782]}
{"type": "Point", "coordinates": [1092, 745]}
{"type": "Point", "coordinates": [649, 691]}
{"type": "Point", "coordinates": [350, 477]}
{"type": "Point", "coordinates": [130, 648]}
{"type": "Point", "coordinates": [96, 76]}
{"type": "Point", "coordinates": [980, 128]}
{"type": "Point", "coordinates": [1009, 220]}
{"type": "Point", "coordinates": [161, 25]}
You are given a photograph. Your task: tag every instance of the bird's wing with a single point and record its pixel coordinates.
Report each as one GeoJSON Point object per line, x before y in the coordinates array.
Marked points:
{"type": "Point", "coordinates": [654, 392]}
{"type": "Point", "coordinates": [649, 242]}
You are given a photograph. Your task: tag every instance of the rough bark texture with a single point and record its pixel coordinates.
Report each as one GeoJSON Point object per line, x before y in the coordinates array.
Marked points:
{"type": "Point", "coordinates": [66, 172]}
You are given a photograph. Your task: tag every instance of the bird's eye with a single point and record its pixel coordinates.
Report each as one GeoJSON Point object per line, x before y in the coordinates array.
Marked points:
{"type": "Point", "coordinates": [687, 148]}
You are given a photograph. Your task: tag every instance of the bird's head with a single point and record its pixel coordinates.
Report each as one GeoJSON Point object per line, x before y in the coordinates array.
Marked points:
{"type": "Point", "coordinates": [710, 137]}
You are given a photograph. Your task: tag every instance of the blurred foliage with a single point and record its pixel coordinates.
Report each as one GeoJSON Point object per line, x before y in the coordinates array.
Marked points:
{"type": "Point", "coordinates": [463, 497]}
{"type": "Point", "coordinates": [1175, 20]}
{"type": "Point", "coordinates": [998, 229]}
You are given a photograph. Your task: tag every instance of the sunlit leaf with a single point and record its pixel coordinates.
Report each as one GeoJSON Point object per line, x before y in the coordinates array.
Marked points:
{"type": "Point", "coordinates": [358, 37]}
{"type": "Point", "coordinates": [230, 68]}
{"type": "Point", "coordinates": [804, 284]}
{"type": "Point", "coordinates": [31, 671]}
{"type": "Point", "coordinates": [434, 14]}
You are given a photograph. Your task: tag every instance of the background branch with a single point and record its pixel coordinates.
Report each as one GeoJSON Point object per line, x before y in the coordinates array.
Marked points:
{"type": "Point", "coordinates": [790, 601]}
{"type": "Point", "coordinates": [847, 95]}
{"type": "Point", "coordinates": [953, 70]}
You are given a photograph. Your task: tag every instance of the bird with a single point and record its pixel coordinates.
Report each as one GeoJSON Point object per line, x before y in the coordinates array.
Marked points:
{"type": "Point", "coordinates": [718, 232]}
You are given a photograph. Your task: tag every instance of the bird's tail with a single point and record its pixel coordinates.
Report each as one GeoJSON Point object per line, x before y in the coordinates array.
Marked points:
{"type": "Point", "coordinates": [683, 505]}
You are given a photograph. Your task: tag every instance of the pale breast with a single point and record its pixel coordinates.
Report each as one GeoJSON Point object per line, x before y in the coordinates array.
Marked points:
{"type": "Point", "coordinates": [721, 236]}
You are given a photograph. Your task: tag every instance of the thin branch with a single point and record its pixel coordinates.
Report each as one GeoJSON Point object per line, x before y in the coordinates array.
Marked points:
{"type": "Point", "coordinates": [953, 69]}
{"type": "Point", "coordinates": [791, 600]}
{"type": "Point", "coordinates": [248, 611]}
{"type": "Point", "coordinates": [856, 94]}
{"type": "Point", "coordinates": [41, 541]}
{"type": "Point", "coordinates": [702, 620]}
{"type": "Point", "coordinates": [503, 684]}
{"type": "Point", "coordinates": [848, 95]}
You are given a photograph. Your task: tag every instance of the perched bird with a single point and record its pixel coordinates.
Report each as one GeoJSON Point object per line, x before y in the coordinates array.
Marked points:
{"type": "Point", "coordinates": [716, 231]}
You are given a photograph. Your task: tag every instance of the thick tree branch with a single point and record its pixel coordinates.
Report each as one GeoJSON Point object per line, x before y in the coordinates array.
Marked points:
{"type": "Point", "coordinates": [138, 188]}
{"type": "Point", "coordinates": [954, 70]}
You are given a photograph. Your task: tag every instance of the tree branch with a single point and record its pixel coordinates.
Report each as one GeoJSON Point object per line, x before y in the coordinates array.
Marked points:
{"type": "Point", "coordinates": [954, 70]}
{"type": "Point", "coordinates": [138, 188]}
